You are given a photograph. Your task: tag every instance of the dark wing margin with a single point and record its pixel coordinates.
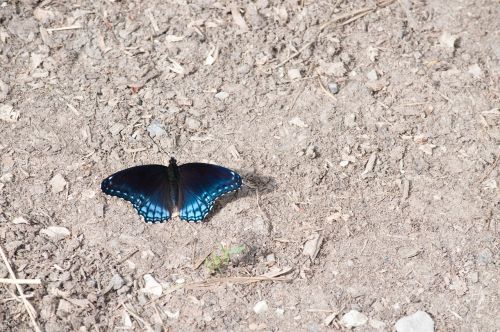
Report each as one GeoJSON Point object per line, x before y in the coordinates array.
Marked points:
{"type": "Point", "coordinates": [146, 187]}
{"type": "Point", "coordinates": [200, 186]}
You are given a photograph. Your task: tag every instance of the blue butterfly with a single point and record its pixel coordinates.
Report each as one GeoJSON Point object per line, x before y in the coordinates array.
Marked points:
{"type": "Point", "coordinates": [157, 191]}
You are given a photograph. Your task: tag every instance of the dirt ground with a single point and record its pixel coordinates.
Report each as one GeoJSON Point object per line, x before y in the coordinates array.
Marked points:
{"type": "Point", "coordinates": [366, 133]}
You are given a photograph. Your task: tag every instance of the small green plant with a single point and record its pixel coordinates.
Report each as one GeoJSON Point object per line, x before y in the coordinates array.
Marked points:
{"type": "Point", "coordinates": [218, 261]}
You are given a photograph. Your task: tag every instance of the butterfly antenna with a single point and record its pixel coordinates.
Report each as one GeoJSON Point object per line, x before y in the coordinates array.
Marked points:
{"type": "Point", "coordinates": [158, 145]}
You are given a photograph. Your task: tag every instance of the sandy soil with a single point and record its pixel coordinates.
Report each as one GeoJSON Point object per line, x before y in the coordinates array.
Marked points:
{"type": "Point", "coordinates": [367, 136]}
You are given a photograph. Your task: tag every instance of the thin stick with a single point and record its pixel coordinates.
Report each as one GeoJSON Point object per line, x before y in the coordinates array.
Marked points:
{"type": "Point", "coordinates": [345, 17]}
{"type": "Point", "coordinates": [137, 317]}
{"type": "Point", "coordinates": [71, 27]}
{"type": "Point", "coordinates": [20, 281]}
{"type": "Point", "coordinates": [236, 280]}
{"type": "Point", "coordinates": [128, 256]}
{"type": "Point", "coordinates": [28, 305]}
{"type": "Point", "coordinates": [17, 298]}
{"type": "Point", "coordinates": [200, 260]}
{"type": "Point", "coordinates": [294, 54]}
{"type": "Point", "coordinates": [328, 93]}
{"type": "Point", "coordinates": [438, 92]}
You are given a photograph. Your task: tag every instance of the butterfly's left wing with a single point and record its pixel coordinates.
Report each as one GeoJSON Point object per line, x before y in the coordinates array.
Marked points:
{"type": "Point", "coordinates": [200, 185]}
{"type": "Point", "coordinates": [146, 187]}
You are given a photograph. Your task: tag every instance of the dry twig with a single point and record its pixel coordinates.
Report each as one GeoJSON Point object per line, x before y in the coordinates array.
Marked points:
{"type": "Point", "coordinates": [29, 308]}
{"type": "Point", "coordinates": [20, 281]}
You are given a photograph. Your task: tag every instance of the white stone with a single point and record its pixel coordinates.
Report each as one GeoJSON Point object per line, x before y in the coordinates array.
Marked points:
{"type": "Point", "coordinates": [58, 183]}
{"type": "Point", "coordinates": [420, 321]}
{"type": "Point", "coordinates": [353, 318]}
{"type": "Point", "coordinates": [448, 40]}
{"type": "Point", "coordinates": [8, 114]}
{"type": "Point", "coordinates": [151, 286]}
{"type": "Point", "coordinates": [156, 129]}
{"type": "Point", "coordinates": [475, 71]}
{"type": "Point", "coordinates": [260, 307]}
{"type": "Point", "coordinates": [372, 75]}
{"type": "Point", "coordinates": [222, 95]}
{"type": "Point", "coordinates": [127, 322]}
{"type": "Point", "coordinates": [294, 74]}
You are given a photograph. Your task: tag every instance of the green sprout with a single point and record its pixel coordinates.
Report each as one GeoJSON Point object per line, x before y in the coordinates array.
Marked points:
{"type": "Point", "coordinates": [218, 261]}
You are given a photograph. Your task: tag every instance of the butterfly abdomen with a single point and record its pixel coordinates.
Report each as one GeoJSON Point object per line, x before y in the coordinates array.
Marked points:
{"type": "Point", "coordinates": [173, 184]}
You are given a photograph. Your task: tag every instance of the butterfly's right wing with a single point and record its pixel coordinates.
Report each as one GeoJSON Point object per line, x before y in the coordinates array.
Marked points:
{"type": "Point", "coordinates": [146, 187]}
{"type": "Point", "coordinates": [200, 185]}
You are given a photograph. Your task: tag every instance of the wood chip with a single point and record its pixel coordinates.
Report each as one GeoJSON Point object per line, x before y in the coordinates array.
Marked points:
{"type": "Point", "coordinates": [312, 246]}
{"type": "Point", "coordinates": [370, 164]}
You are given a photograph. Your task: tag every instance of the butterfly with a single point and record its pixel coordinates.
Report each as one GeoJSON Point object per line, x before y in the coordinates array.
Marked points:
{"type": "Point", "coordinates": [158, 192]}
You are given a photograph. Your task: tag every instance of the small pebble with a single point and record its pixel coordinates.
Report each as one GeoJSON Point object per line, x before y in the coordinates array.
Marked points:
{"type": "Point", "coordinates": [417, 322]}
{"type": "Point", "coordinates": [127, 322]}
{"type": "Point", "coordinates": [296, 121]}
{"type": "Point", "coordinates": [475, 71]}
{"type": "Point", "coordinates": [193, 124]}
{"type": "Point", "coordinates": [222, 95]}
{"type": "Point", "coordinates": [484, 257]}
{"type": "Point", "coordinates": [353, 318]}
{"type": "Point", "coordinates": [155, 129]}
{"type": "Point", "coordinates": [333, 88]}
{"type": "Point", "coordinates": [372, 75]}
{"type": "Point", "coordinates": [244, 69]}
{"type": "Point", "coordinates": [448, 40]}
{"type": "Point", "coordinates": [294, 74]}
{"type": "Point", "coordinates": [58, 183]}
{"type": "Point", "coordinates": [117, 281]}
{"type": "Point", "coordinates": [8, 114]}
{"type": "Point", "coordinates": [260, 307]}
{"type": "Point", "coordinates": [344, 163]}
{"type": "Point", "coordinates": [311, 152]}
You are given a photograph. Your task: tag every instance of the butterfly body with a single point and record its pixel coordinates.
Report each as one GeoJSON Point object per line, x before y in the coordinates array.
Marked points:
{"type": "Point", "coordinates": [158, 192]}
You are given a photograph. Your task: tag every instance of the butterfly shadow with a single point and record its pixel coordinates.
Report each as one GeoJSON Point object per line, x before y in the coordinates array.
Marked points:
{"type": "Point", "coordinates": [253, 184]}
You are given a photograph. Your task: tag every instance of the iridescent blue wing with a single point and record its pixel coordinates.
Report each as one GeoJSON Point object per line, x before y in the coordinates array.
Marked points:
{"type": "Point", "coordinates": [146, 187]}
{"type": "Point", "coordinates": [200, 185]}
